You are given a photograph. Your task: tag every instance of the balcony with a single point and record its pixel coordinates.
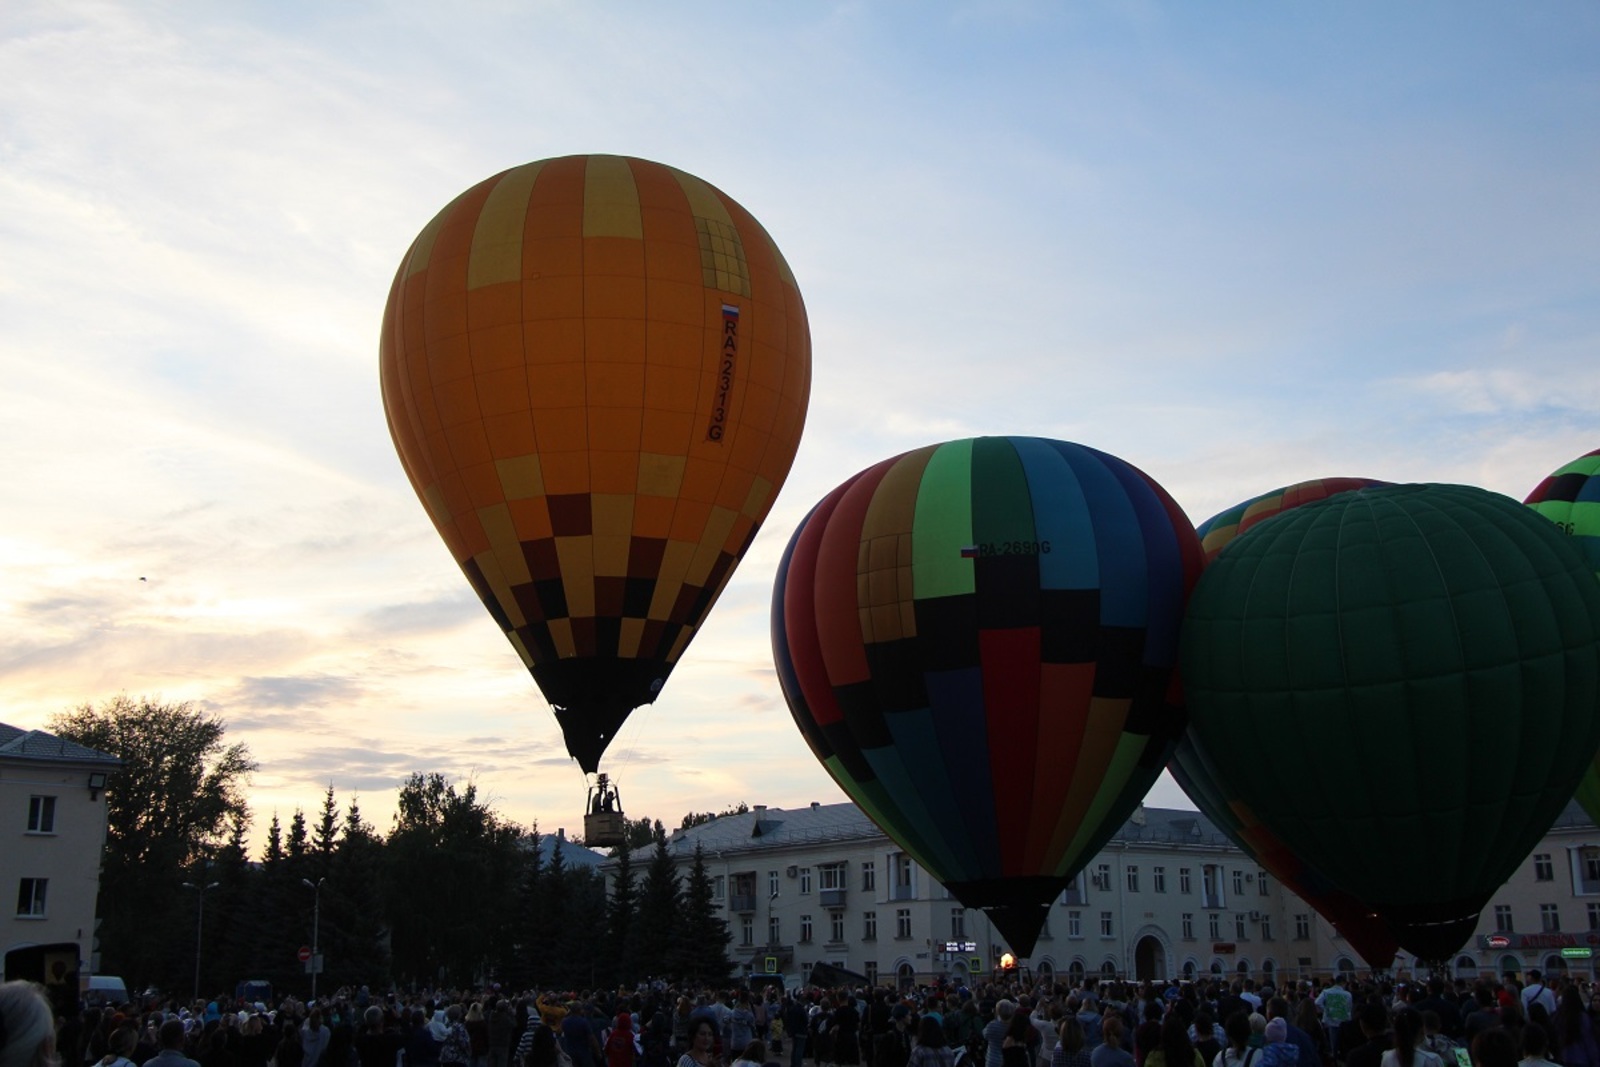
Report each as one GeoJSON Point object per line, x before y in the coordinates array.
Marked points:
{"type": "Point", "coordinates": [742, 902]}
{"type": "Point", "coordinates": [903, 892]}
{"type": "Point", "coordinates": [832, 898]}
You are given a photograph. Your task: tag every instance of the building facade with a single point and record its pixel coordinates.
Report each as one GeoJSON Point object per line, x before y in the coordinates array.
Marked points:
{"type": "Point", "coordinates": [1168, 897]}
{"type": "Point", "coordinates": [52, 835]}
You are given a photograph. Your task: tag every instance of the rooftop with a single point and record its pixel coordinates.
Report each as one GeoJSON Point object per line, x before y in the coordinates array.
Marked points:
{"type": "Point", "coordinates": [19, 744]}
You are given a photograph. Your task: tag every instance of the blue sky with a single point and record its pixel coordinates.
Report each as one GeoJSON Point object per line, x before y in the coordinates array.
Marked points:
{"type": "Point", "coordinates": [1237, 245]}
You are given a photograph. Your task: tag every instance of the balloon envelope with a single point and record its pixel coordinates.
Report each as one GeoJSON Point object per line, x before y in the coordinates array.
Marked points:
{"type": "Point", "coordinates": [1400, 684]}
{"type": "Point", "coordinates": [1570, 498]}
{"type": "Point", "coordinates": [1365, 932]}
{"type": "Point", "coordinates": [595, 370]}
{"type": "Point", "coordinates": [977, 640]}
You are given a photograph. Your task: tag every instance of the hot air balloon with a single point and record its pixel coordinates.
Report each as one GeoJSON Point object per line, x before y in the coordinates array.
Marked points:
{"type": "Point", "coordinates": [1363, 930]}
{"type": "Point", "coordinates": [978, 640]}
{"type": "Point", "coordinates": [1571, 499]}
{"type": "Point", "coordinates": [1216, 532]}
{"type": "Point", "coordinates": [595, 370]}
{"type": "Point", "coordinates": [1399, 684]}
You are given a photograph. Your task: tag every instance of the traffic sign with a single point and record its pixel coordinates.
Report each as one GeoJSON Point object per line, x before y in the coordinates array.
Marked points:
{"type": "Point", "coordinates": [305, 954]}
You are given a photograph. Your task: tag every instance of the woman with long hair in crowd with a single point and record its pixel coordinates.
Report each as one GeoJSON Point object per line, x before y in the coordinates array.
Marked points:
{"type": "Point", "coordinates": [1069, 1050]}
{"type": "Point", "coordinates": [1575, 1031]}
{"type": "Point", "coordinates": [1408, 1050]}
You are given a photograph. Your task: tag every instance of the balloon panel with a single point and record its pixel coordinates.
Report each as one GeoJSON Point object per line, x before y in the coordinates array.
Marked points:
{"type": "Point", "coordinates": [1399, 683]}
{"type": "Point", "coordinates": [595, 370]}
{"type": "Point", "coordinates": [977, 640]}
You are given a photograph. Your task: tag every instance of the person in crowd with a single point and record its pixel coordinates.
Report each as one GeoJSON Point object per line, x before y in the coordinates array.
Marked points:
{"type": "Point", "coordinates": [1014, 1046]}
{"type": "Point", "coordinates": [1173, 1047]}
{"type": "Point", "coordinates": [29, 1026]}
{"type": "Point", "coordinates": [932, 1050]}
{"type": "Point", "coordinates": [1071, 1050]}
{"type": "Point", "coordinates": [1494, 1048]}
{"type": "Point", "coordinates": [172, 1038]}
{"type": "Point", "coordinates": [1238, 1052]}
{"type": "Point", "coordinates": [1575, 1031]}
{"type": "Point", "coordinates": [702, 1045]}
{"type": "Point", "coordinates": [621, 1050]}
{"type": "Point", "coordinates": [754, 1054]}
{"type": "Point", "coordinates": [1535, 1046]}
{"type": "Point", "coordinates": [1110, 1052]}
{"type": "Point", "coordinates": [1408, 1049]}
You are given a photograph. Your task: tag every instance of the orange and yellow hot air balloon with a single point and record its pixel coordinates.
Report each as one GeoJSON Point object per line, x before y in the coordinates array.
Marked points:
{"type": "Point", "coordinates": [596, 370]}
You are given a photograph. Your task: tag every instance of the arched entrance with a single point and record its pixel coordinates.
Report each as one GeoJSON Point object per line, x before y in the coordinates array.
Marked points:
{"type": "Point", "coordinates": [1075, 971]}
{"type": "Point", "coordinates": [906, 976]}
{"type": "Point", "coordinates": [1046, 971]}
{"type": "Point", "coordinates": [1149, 960]}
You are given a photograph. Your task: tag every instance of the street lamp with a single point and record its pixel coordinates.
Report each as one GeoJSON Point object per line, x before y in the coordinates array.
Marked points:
{"type": "Point", "coordinates": [316, 927]}
{"type": "Point", "coordinates": [199, 927]}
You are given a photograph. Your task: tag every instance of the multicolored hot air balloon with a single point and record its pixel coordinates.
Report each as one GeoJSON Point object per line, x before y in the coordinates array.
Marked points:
{"type": "Point", "coordinates": [1571, 499]}
{"type": "Point", "coordinates": [1216, 532]}
{"type": "Point", "coordinates": [596, 371]}
{"type": "Point", "coordinates": [978, 641]}
{"type": "Point", "coordinates": [1399, 684]}
{"type": "Point", "coordinates": [1363, 930]}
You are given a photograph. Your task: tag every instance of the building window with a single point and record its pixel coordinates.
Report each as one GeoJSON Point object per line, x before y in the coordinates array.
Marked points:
{"type": "Point", "coordinates": [772, 885]}
{"type": "Point", "coordinates": [1133, 878]}
{"type": "Point", "coordinates": [958, 924]}
{"type": "Point", "coordinates": [1502, 919]}
{"type": "Point", "coordinates": [831, 876]}
{"type": "Point", "coordinates": [1188, 926]}
{"type": "Point", "coordinates": [719, 887]}
{"type": "Point", "coordinates": [1591, 865]}
{"type": "Point", "coordinates": [774, 930]}
{"type": "Point", "coordinates": [1214, 926]}
{"type": "Point", "coordinates": [1261, 883]}
{"type": "Point", "coordinates": [1238, 883]}
{"type": "Point", "coordinates": [1549, 919]}
{"type": "Point", "coordinates": [41, 815]}
{"type": "Point", "coordinates": [1183, 881]}
{"type": "Point", "coordinates": [869, 876]}
{"type": "Point", "coordinates": [1302, 927]}
{"type": "Point", "coordinates": [836, 926]}
{"type": "Point", "coordinates": [1266, 927]}
{"type": "Point", "coordinates": [1105, 924]}
{"type": "Point", "coordinates": [1044, 931]}
{"type": "Point", "coordinates": [1211, 887]}
{"type": "Point", "coordinates": [1238, 928]}
{"type": "Point", "coordinates": [1594, 916]}
{"type": "Point", "coordinates": [30, 896]}
{"type": "Point", "coordinates": [1075, 924]}
{"type": "Point", "coordinates": [870, 971]}
{"type": "Point", "coordinates": [805, 929]}
{"type": "Point", "coordinates": [1102, 877]}
{"type": "Point", "coordinates": [904, 887]}
{"type": "Point", "coordinates": [747, 930]}
{"type": "Point", "coordinates": [805, 880]}
{"type": "Point", "coordinates": [1543, 870]}
{"type": "Point", "coordinates": [902, 922]}
{"type": "Point", "coordinates": [1158, 879]}
{"type": "Point", "coordinates": [869, 926]}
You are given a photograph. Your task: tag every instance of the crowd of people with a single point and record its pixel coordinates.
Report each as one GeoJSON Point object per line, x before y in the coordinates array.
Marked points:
{"type": "Point", "coordinates": [1007, 1022]}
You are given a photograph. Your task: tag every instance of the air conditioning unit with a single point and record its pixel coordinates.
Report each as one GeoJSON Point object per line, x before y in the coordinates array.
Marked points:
{"type": "Point", "coordinates": [793, 871]}
{"type": "Point", "coordinates": [1249, 877]}
{"type": "Point", "coordinates": [1255, 916]}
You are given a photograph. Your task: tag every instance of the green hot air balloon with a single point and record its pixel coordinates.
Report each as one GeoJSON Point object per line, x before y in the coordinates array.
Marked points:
{"type": "Point", "coordinates": [1570, 498]}
{"type": "Point", "coordinates": [1399, 684]}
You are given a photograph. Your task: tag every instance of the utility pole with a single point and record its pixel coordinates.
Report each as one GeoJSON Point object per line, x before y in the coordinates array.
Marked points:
{"type": "Point", "coordinates": [316, 928]}
{"type": "Point", "coordinates": [199, 926]}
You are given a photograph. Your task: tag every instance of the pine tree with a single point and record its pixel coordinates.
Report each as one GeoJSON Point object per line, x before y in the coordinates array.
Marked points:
{"type": "Point", "coordinates": [703, 937]}
{"type": "Point", "coordinates": [354, 877]}
{"type": "Point", "coordinates": [619, 947]}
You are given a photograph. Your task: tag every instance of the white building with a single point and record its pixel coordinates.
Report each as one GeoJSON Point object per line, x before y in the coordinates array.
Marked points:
{"type": "Point", "coordinates": [52, 835]}
{"type": "Point", "coordinates": [1169, 896]}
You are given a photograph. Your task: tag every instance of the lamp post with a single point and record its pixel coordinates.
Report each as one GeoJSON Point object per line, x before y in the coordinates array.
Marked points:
{"type": "Point", "coordinates": [316, 927]}
{"type": "Point", "coordinates": [199, 926]}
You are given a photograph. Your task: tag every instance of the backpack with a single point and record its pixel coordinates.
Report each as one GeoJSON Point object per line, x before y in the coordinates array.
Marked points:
{"type": "Point", "coordinates": [457, 1045]}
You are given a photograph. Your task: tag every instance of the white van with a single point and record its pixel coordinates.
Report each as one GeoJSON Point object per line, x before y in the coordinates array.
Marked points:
{"type": "Point", "coordinates": [103, 990]}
